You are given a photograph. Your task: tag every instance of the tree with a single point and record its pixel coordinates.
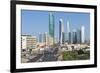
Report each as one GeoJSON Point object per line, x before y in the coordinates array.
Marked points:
{"type": "Point", "coordinates": [80, 52]}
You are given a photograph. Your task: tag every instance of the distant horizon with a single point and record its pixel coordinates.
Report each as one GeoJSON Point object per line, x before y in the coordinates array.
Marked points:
{"type": "Point", "coordinates": [32, 20]}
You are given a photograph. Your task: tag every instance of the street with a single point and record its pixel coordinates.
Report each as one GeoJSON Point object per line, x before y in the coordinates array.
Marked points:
{"type": "Point", "coordinates": [47, 55]}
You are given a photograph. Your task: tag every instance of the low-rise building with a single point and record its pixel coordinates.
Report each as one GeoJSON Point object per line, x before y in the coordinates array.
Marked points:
{"type": "Point", "coordinates": [28, 42]}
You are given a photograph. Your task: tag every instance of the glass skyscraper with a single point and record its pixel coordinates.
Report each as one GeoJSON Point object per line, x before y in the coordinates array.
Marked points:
{"type": "Point", "coordinates": [74, 37]}
{"type": "Point", "coordinates": [79, 36]}
{"type": "Point", "coordinates": [51, 25]}
{"type": "Point", "coordinates": [40, 37]}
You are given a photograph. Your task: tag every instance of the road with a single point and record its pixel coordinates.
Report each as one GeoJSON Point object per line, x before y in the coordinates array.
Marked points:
{"type": "Point", "coordinates": [35, 59]}
{"type": "Point", "coordinates": [47, 55]}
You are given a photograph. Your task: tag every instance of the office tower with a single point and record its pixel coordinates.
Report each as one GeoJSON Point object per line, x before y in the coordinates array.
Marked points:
{"type": "Point", "coordinates": [82, 34]}
{"type": "Point", "coordinates": [46, 38]}
{"type": "Point", "coordinates": [74, 37]}
{"type": "Point", "coordinates": [28, 42]}
{"type": "Point", "coordinates": [65, 34]}
{"type": "Point", "coordinates": [65, 37]}
{"type": "Point", "coordinates": [51, 26]}
{"type": "Point", "coordinates": [78, 36]}
{"type": "Point", "coordinates": [40, 38]}
{"type": "Point", "coordinates": [61, 32]}
{"type": "Point", "coordinates": [69, 33]}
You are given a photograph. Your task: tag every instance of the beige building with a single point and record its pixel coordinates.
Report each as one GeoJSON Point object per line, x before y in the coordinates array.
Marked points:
{"type": "Point", "coordinates": [51, 40]}
{"type": "Point", "coordinates": [28, 42]}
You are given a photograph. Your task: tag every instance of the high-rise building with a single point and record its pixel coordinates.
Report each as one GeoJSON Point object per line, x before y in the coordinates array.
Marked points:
{"type": "Point", "coordinates": [69, 37]}
{"type": "Point", "coordinates": [43, 37]}
{"type": "Point", "coordinates": [51, 26]}
{"type": "Point", "coordinates": [46, 38]}
{"type": "Point", "coordinates": [74, 35]}
{"type": "Point", "coordinates": [28, 42]}
{"type": "Point", "coordinates": [40, 39]}
{"type": "Point", "coordinates": [61, 32]}
{"type": "Point", "coordinates": [82, 34]}
{"type": "Point", "coordinates": [78, 36]}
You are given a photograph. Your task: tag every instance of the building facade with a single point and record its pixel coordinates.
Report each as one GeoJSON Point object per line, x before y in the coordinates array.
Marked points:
{"type": "Point", "coordinates": [74, 35]}
{"type": "Point", "coordinates": [78, 36]}
{"type": "Point", "coordinates": [40, 39]}
{"type": "Point", "coordinates": [61, 32]}
{"type": "Point", "coordinates": [28, 42]}
{"type": "Point", "coordinates": [82, 34]}
{"type": "Point", "coordinates": [69, 34]}
{"type": "Point", "coordinates": [51, 26]}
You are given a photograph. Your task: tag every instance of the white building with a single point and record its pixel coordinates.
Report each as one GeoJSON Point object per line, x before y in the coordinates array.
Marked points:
{"type": "Point", "coordinates": [82, 34]}
{"type": "Point", "coordinates": [61, 31]}
{"type": "Point", "coordinates": [46, 38]}
{"type": "Point", "coordinates": [28, 42]}
{"type": "Point", "coordinates": [69, 33]}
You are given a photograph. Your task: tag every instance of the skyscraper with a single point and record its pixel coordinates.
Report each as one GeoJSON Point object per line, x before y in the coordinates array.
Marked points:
{"type": "Point", "coordinates": [82, 34]}
{"type": "Point", "coordinates": [69, 33]}
{"type": "Point", "coordinates": [41, 37]}
{"type": "Point", "coordinates": [40, 40]}
{"type": "Point", "coordinates": [74, 37]}
{"type": "Point", "coordinates": [51, 26]}
{"type": "Point", "coordinates": [78, 36]}
{"type": "Point", "coordinates": [61, 32]}
{"type": "Point", "coordinates": [46, 38]}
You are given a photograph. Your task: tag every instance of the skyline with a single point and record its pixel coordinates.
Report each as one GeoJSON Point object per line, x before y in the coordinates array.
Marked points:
{"type": "Point", "coordinates": [29, 18]}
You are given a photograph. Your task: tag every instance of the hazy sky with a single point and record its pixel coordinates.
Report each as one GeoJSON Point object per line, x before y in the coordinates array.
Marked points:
{"type": "Point", "coordinates": [34, 22]}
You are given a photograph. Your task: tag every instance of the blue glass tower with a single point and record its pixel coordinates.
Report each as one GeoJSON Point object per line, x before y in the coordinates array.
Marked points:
{"type": "Point", "coordinates": [51, 26]}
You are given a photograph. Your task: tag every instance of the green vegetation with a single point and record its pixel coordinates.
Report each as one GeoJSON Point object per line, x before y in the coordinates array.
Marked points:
{"type": "Point", "coordinates": [76, 55]}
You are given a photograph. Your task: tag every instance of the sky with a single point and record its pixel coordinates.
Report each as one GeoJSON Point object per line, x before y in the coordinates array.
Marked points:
{"type": "Point", "coordinates": [34, 22]}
